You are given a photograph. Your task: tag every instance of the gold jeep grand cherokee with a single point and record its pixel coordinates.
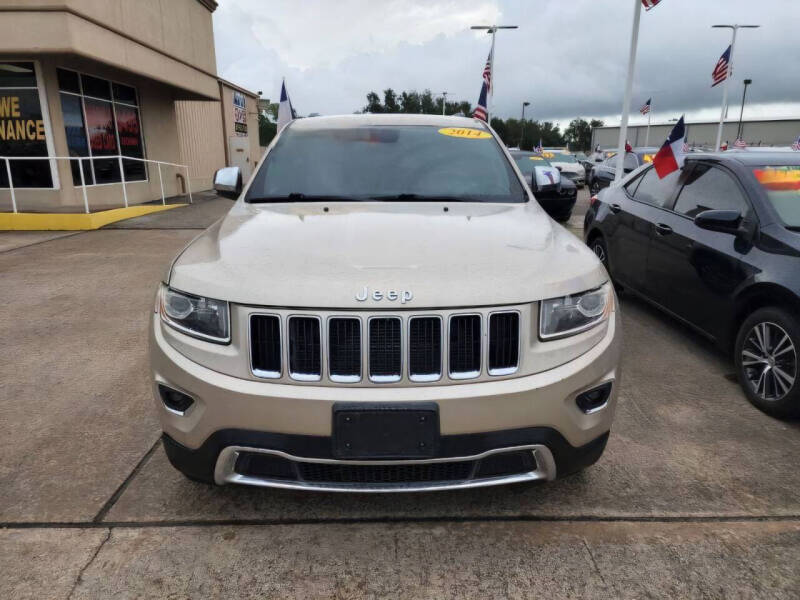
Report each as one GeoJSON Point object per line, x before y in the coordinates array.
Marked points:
{"type": "Point", "coordinates": [384, 308]}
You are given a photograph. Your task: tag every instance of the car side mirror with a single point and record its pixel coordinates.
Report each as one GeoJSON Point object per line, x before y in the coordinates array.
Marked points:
{"type": "Point", "coordinates": [228, 182]}
{"type": "Point", "coordinates": [724, 221]}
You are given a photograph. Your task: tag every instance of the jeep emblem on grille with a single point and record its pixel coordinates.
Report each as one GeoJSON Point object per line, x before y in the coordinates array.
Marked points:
{"type": "Point", "coordinates": [391, 295]}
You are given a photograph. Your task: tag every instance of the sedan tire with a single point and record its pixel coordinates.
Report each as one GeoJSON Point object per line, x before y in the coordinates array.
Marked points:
{"type": "Point", "coordinates": [766, 356]}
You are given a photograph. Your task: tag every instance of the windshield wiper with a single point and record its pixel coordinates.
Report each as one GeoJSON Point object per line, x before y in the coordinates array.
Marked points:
{"type": "Point", "coordinates": [422, 198]}
{"type": "Point", "coordinates": [300, 197]}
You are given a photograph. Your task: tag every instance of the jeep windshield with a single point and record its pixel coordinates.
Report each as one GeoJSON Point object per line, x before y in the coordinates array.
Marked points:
{"type": "Point", "coordinates": [386, 163]}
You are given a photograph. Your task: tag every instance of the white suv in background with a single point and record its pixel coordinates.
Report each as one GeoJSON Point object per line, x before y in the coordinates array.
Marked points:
{"type": "Point", "coordinates": [568, 165]}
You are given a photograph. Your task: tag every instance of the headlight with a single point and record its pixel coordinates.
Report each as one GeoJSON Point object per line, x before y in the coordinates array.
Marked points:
{"type": "Point", "coordinates": [204, 318]}
{"type": "Point", "coordinates": [561, 317]}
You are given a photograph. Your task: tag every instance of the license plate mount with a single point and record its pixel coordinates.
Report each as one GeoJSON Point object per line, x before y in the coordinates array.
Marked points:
{"type": "Point", "coordinates": [383, 431]}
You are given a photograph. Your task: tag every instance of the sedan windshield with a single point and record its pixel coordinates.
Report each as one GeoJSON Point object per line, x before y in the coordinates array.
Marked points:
{"type": "Point", "coordinates": [527, 162]}
{"type": "Point", "coordinates": [386, 163]}
{"type": "Point", "coordinates": [782, 185]}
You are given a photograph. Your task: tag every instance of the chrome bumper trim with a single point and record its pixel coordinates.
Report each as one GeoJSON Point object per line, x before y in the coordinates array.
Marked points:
{"type": "Point", "coordinates": [224, 472]}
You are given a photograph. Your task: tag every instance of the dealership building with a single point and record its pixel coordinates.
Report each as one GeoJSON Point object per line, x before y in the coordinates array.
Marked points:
{"type": "Point", "coordinates": [115, 102]}
{"type": "Point", "coordinates": [764, 132]}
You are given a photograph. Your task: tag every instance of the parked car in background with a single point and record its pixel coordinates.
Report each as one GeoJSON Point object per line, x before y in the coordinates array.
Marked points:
{"type": "Point", "coordinates": [602, 174]}
{"type": "Point", "coordinates": [555, 193]}
{"type": "Point", "coordinates": [384, 308]}
{"type": "Point", "coordinates": [568, 165]}
{"type": "Point", "coordinates": [717, 245]}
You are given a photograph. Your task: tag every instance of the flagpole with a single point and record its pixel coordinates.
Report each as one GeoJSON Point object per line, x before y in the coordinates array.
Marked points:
{"type": "Point", "coordinates": [491, 79]}
{"type": "Point", "coordinates": [725, 91]}
{"type": "Point", "coordinates": [647, 135]}
{"type": "Point", "coordinates": [623, 129]}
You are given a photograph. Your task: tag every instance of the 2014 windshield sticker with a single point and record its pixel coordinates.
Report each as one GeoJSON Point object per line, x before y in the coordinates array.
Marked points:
{"type": "Point", "coordinates": [779, 179]}
{"type": "Point", "coordinates": [535, 158]}
{"type": "Point", "coordinates": [465, 132]}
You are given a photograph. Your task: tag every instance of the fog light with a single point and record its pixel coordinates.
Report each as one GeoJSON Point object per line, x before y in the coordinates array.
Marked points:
{"type": "Point", "coordinates": [175, 401]}
{"type": "Point", "coordinates": [595, 399]}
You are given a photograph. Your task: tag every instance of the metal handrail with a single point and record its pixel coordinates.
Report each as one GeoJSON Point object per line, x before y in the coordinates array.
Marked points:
{"type": "Point", "coordinates": [80, 159]}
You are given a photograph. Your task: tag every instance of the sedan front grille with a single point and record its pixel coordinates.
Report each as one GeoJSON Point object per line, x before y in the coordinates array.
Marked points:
{"type": "Point", "coordinates": [383, 349]}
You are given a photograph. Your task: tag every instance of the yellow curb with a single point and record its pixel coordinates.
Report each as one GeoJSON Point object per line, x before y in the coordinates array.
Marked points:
{"type": "Point", "coordinates": [75, 221]}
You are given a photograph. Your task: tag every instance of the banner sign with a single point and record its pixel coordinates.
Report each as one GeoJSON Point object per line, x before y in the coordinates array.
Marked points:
{"type": "Point", "coordinates": [22, 130]}
{"type": "Point", "coordinates": [239, 114]}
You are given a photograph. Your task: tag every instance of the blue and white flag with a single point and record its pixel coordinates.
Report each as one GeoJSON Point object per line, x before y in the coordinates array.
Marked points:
{"type": "Point", "coordinates": [285, 110]}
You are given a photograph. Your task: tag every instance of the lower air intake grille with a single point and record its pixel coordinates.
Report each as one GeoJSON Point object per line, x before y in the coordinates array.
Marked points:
{"type": "Point", "coordinates": [465, 346]}
{"type": "Point", "coordinates": [265, 337]}
{"type": "Point", "coordinates": [384, 349]}
{"type": "Point", "coordinates": [305, 358]}
{"type": "Point", "coordinates": [425, 348]}
{"type": "Point", "coordinates": [503, 343]}
{"type": "Point", "coordinates": [333, 473]}
{"type": "Point", "coordinates": [344, 340]}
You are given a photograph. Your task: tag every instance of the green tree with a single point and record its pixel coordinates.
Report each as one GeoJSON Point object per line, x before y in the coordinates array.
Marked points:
{"type": "Point", "coordinates": [266, 129]}
{"type": "Point", "coordinates": [579, 134]}
{"type": "Point", "coordinates": [373, 103]}
{"type": "Point", "coordinates": [390, 104]}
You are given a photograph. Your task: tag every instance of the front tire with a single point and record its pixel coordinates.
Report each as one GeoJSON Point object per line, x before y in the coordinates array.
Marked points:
{"type": "Point", "coordinates": [594, 189]}
{"type": "Point", "coordinates": [598, 246]}
{"type": "Point", "coordinates": [766, 356]}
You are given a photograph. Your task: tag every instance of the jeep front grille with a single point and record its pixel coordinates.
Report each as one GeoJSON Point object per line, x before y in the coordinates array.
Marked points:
{"type": "Point", "coordinates": [384, 349]}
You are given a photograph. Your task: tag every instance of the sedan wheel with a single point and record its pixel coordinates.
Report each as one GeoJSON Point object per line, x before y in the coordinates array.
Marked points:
{"type": "Point", "coordinates": [767, 350]}
{"type": "Point", "coordinates": [595, 188]}
{"type": "Point", "coordinates": [769, 359]}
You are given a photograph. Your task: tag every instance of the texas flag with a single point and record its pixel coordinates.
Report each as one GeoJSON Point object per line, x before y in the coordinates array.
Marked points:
{"type": "Point", "coordinates": [670, 156]}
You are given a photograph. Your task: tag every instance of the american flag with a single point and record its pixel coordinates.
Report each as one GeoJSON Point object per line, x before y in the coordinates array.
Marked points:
{"type": "Point", "coordinates": [720, 72]}
{"type": "Point", "coordinates": [685, 145]}
{"type": "Point", "coordinates": [646, 107]}
{"type": "Point", "coordinates": [481, 112]}
{"type": "Point", "coordinates": [739, 143]}
{"type": "Point", "coordinates": [648, 4]}
{"type": "Point", "coordinates": [796, 145]}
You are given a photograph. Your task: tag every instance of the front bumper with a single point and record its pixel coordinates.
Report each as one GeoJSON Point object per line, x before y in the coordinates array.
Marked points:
{"type": "Point", "coordinates": [233, 416]}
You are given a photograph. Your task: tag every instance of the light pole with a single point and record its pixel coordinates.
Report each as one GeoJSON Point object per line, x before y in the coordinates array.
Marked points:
{"type": "Point", "coordinates": [741, 113]}
{"type": "Point", "coordinates": [734, 28]}
{"type": "Point", "coordinates": [444, 101]}
{"type": "Point", "coordinates": [492, 29]}
{"type": "Point", "coordinates": [626, 103]}
{"type": "Point", "coordinates": [522, 130]}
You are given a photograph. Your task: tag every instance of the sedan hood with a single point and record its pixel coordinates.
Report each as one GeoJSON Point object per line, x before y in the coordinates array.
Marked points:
{"type": "Point", "coordinates": [421, 255]}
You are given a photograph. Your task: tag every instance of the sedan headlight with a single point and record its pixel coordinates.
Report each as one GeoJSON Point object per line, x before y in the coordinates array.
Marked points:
{"type": "Point", "coordinates": [203, 318]}
{"type": "Point", "coordinates": [570, 315]}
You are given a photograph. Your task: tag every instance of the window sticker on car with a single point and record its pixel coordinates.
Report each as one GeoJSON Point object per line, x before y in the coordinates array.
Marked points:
{"type": "Point", "coordinates": [779, 179]}
{"type": "Point", "coordinates": [648, 158]}
{"type": "Point", "coordinates": [465, 132]}
{"type": "Point", "coordinates": [549, 154]}
{"type": "Point", "coordinates": [535, 158]}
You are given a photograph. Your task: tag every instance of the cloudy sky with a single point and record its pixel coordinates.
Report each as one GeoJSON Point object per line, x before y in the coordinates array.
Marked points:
{"type": "Point", "coordinates": [568, 57]}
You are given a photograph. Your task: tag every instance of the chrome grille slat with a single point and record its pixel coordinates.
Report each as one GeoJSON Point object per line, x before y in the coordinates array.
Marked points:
{"type": "Point", "coordinates": [385, 352]}
{"type": "Point", "coordinates": [465, 346]}
{"type": "Point", "coordinates": [305, 356]}
{"type": "Point", "coordinates": [344, 349]}
{"type": "Point", "coordinates": [424, 348]}
{"type": "Point", "coordinates": [503, 343]}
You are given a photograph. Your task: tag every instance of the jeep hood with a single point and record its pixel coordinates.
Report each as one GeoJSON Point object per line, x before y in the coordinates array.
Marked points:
{"type": "Point", "coordinates": [445, 255]}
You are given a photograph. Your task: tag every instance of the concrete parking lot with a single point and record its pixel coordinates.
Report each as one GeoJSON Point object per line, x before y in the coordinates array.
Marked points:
{"type": "Point", "coordinates": [696, 495]}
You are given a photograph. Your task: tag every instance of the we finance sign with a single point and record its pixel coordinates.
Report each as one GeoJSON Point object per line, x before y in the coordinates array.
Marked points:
{"type": "Point", "coordinates": [21, 117]}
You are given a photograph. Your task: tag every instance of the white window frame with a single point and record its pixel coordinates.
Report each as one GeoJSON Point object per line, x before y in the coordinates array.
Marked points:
{"type": "Point", "coordinates": [44, 104]}
{"type": "Point", "coordinates": [91, 158]}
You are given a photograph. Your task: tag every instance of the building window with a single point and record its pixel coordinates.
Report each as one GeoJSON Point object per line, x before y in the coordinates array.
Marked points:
{"type": "Point", "coordinates": [22, 127]}
{"type": "Point", "coordinates": [102, 118]}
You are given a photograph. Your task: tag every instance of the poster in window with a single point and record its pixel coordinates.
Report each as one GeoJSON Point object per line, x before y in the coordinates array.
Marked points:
{"type": "Point", "coordinates": [130, 141]}
{"type": "Point", "coordinates": [239, 114]}
{"type": "Point", "coordinates": [102, 140]}
{"type": "Point", "coordinates": [22, 131]}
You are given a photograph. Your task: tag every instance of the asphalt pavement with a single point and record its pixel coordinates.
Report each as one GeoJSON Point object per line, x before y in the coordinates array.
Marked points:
{"type": "Point", "coordinates": [696, 495]}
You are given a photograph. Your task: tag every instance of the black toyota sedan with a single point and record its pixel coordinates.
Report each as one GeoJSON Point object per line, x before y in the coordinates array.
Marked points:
{"type": "Point", "coordinates": [602, 174]}
{"type": "Point", "coordinates": [717, 245]}
{"type": "Point", "coordinates": [555, 193]}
